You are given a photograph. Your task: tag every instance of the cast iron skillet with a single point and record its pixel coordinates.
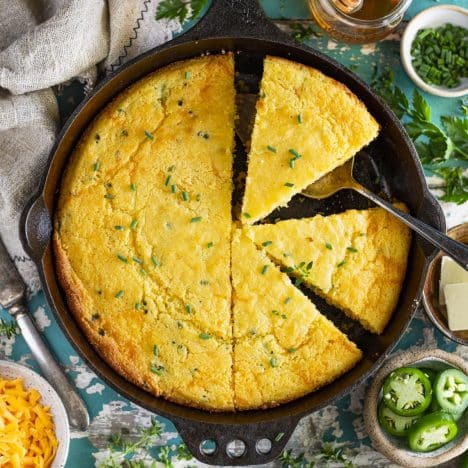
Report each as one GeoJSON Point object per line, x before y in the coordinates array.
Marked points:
{"type": "Point", "coordinates": [241, 26]}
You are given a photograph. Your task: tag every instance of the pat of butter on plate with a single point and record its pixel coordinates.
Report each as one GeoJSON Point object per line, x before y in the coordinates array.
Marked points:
{"type": "Point", "coordinates": [456, 297]}
{"type": "Point", "coordinates": [450, 273]}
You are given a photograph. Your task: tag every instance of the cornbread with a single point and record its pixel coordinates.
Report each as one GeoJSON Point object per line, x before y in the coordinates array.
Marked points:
{"type": "Point", "coordinates": [358, 259]}
{"type": "Point", "coordinates": [27, 433]}
{"type": "Point", "coordinates": [143, 231]}
{"type": "Point", "coordinates": [284, 348]}
{"type": "Point", "coordinates": [306, 125]}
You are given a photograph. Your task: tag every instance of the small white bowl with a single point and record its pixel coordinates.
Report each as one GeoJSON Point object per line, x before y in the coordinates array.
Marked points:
{"type": "Point", "coordinates": [11, 370]}
{"type": "Point", "coordinates": [396, 448]}
{"type": "Point", "coordinates": [433, 18]}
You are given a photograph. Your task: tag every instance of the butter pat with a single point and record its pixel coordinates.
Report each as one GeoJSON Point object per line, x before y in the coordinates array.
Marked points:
{"type": "Point", "coordinates": [456, 296]}
{"type": "Point", "coordinates": [450, 273]}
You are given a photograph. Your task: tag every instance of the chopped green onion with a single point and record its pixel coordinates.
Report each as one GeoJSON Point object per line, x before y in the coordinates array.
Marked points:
{"type": "Point", "coordinates": [137, 260]}
{"type": "Point", "coordinates": [292, 163]}
{"type": "Point", "coordinates": [158, 370]}
{"type": "Point", "coordinates": [168, 180]}
{"type": "Point", "coordinates": [189, 308]}
{"type": "Point", "coordinates": [271, 148]}
{"type": "Point", "coordinates": [155, 350]}
{"type": "Point", "coordinates": [197, 219]}
{"type": "Point", "coordinates": [265, 269]}
{"type": "Point", "coordinates": [351, 249]}
{"type": "Point", "coordinates": [204, 336]}
{"type": "Point", "coordinates": [96, 166]}
{"type": "Point", "coordinates": [122, 258]}
{"type": "Point", "coordinates": [143, 271]}
{"type": "Point", "coordinates": [328, 246]}
{"type": "Point", "coordinates": [109, 196]}
{"type": "Point", "coordinates": [279, 436]}
{"type": "Point", "coordinates": [119, 294]}
{"type": "Point", "coordinates": [133, 187]}
{"type": "Point", "coordinates": [173, 188]}
{"type": "Point", "coordinates": [289, 184]}
{"type": "Point", "coordinates": [295, 154]}
{"type": "Point", "coordinates": [133, 224]}
{"type": "Point", "coordinates": [247, 215]}
{"type": "Point", "coordinates": [185, 196]}
{"type": "Point", "coordinates": [273, 362]}
{"type": "Point", "coordinates": [119, 228]}
{"type": "Point", "coordinates": [210, 244]}
{"type": "Point", "coordinates": [309, 265]}
{"type": "Point", "coordinates": [299, 118]}
{"type": "Point", "coordinates": [149, 135]}
{"type": "Point", "coordinates": [287, 300]}
{"type": "Point", "coordinates": [341, 263]}
{"type": "Point", "coordinates": [171, 168]}
{"type": "Point", "coordinates": [155, 261]}
{"type": "Point", "coordinates": [137, 306]}
{"type": "Point", "coordinates": [266, 243]}
{"type": "Point", "coordinates": [187, 75]}
{"type": "Point", "coordinates": [292, 350]}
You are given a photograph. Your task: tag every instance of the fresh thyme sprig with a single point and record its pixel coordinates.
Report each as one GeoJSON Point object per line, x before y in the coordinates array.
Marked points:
{"type": "Point", "coordinates": [7, 328]}
{"type": "Point", "coordinates": [182, 10]}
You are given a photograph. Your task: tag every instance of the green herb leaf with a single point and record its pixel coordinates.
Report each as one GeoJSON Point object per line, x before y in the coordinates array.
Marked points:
{"type": "Point", "coordinates": [7, 328]}
{"type": "Point", "coordinates": [182, 10]}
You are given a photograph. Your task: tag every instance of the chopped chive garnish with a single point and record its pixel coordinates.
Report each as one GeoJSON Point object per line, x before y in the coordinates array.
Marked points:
{"type": "Point", "coordinates": [266, 243]}
{"type": "Point", "coordinates": [299, 118]}
{"type": "Point", "coordinates": [289, 184]}
{"type": "Point", "coordinates": [187, 75]}
{"type": "Point", "coordinates": [309, 265]}
{"type": "Point", "coordinates": [137, 260]}
{"type": "Point", "coordinates": [351, 249]}
{"type": "Point", "coordinates": [292, 163]}
{"type": "Point", "coordinates": [197, 219]}
{"type": "Point", "coordinates": [284, 316]}
{"type": "Point", "coordinates": [328, 246]}
{"type": "Point", "coordinates": [185, 196]}
{"type": "Point", "coordinates": [287, 300]}
{"type": "Point", "coordinates": [295, 153]}
{"type": "Point", "coordinates": [341, 263]}
{"type": "Point", "coordinates": [292, 350]}
{"type": "Point", "coordinates": [275, 312]}
{"type": "Point", "coordinates": [279, 436]}
{"type": "Point", "coordinates": [149, 135]}
{"type": "Point", "coordinates": [271, 148]}
{"type": "Point", "coordinates": [204, 336]}
{"type": "Point", "coordinates": [122, 258]}
{"type": "Point", "coordinates": [273, 362]}
{"type": "Point", "coordinates": [155, 350]}
{"type": "Point", "coordinates": [264, 269]}
{"type": "Point", "coordinates": [109, 196]}
{"type": "Point", "coordinates": [247, 215]}
{"type": "Point", "coordinates": [96, 166]}
{"type": "Point", "coordinates": [119, 228]}
{"type": "Point", "coordinates": [158, 370]}
{"type": "Point", "coordinates": [168, 180]}
{"type": "Point", "coordinates": [210, 244]}
{"type": "Point", "coordinates": [154, 260]}
{"type": "Point", "coordinates": [133, 187]}
{"type": "Point", "coordinates": [133, 224]}
{"type": "Point", "coordinates": [137, 306]}
{"type": "Point", "coordinates": [189, 308]}
{"type": "Point", "coordinates": [171, 168]}
{"type": "Point", "coordinates": [119, 294]}
{"type": "Point", "coordinates": [173, 188]}
{"type": "Point", "coordinates": [143, 271]}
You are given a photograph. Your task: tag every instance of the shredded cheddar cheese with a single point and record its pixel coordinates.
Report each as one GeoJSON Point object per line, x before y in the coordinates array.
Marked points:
{"type": "Point", "coordinates": [27, 436]}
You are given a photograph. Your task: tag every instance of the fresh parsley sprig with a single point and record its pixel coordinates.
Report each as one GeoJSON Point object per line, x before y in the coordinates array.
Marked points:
{"type": "Point", "coordinates": [182, 10]}
{"type": "Point", "coordinates": [7, 328]}
{"type": "Point", "coordinates": [443, 149]}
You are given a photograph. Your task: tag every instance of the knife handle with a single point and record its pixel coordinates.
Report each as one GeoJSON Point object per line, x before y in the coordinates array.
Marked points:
{"type": "Point", "coordinates": [76, 409]}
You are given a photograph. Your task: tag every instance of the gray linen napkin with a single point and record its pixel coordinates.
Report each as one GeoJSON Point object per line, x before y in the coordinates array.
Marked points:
{"type": "Point", "coordinates": [44, 43]}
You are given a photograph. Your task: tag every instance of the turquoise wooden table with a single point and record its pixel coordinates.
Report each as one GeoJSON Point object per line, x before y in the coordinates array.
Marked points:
{"type": "Point", "coordinates": [341, 422]}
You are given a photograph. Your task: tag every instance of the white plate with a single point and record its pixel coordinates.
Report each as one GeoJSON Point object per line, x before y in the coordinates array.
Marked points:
{"type": "Point", "coordinates": [433, 18]}
{"type": "Point", "coordinates": [11, 370]}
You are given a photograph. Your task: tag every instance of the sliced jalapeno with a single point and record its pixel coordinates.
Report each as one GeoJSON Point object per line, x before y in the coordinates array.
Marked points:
{"type": "Point", "coordinates": [407, 391]}
{"type": "Point", "coordinates": [429, 373]}
{"type": "Point", "coordinates": [434, 406]}
{"type": "Point", "coordinates": [451, 390]}
{"type": "Point", "coordinates": [393, 423]}
{"type": "Point", "coordinates": [432, 431]}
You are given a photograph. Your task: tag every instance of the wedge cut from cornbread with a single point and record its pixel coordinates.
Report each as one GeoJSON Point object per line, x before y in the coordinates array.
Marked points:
{"type": "Point", "coordinates": [357, 259]}
{"type": "Point", "coordinates": [284, 348]}
{"type": "Point", "coordinates": [143, 232]}
{"type": "Point", "coordinates": [306, 125]}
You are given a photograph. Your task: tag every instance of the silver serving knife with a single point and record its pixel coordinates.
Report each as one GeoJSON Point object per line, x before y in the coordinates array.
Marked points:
{"type": "Point", "coordinates": [12, 290]}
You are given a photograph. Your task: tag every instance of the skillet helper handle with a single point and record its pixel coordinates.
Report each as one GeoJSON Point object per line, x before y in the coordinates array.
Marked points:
{"type": "Point", "coordinates": [53, 373]}
{"type": "Point", "coordinates": [254, 438]}
{"type": "Point", "coordinates": [453, 248]}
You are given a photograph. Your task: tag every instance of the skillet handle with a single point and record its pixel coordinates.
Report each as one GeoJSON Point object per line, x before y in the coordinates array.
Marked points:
{"type": "Point", "coordinates": [233, 18]}
{"type": "Point", "coordinates": [194, 434]}
{"type": "Point", "coordinates": [36, 228]}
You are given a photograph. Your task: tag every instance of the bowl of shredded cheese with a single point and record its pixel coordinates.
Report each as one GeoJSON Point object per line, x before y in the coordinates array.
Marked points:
{"type": "Point", "coordinates": [34, 430]}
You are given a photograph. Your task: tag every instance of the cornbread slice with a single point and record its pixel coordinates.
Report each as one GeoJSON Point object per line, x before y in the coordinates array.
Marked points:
{"type": "Point", "coordinates": [358, 259]}
{"type": "Point", "coordinates": [306, 125]}
{"type": "Point", "coordinates": [284, 348]}
{"type": "Point", "coordinates": [143, 230]}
